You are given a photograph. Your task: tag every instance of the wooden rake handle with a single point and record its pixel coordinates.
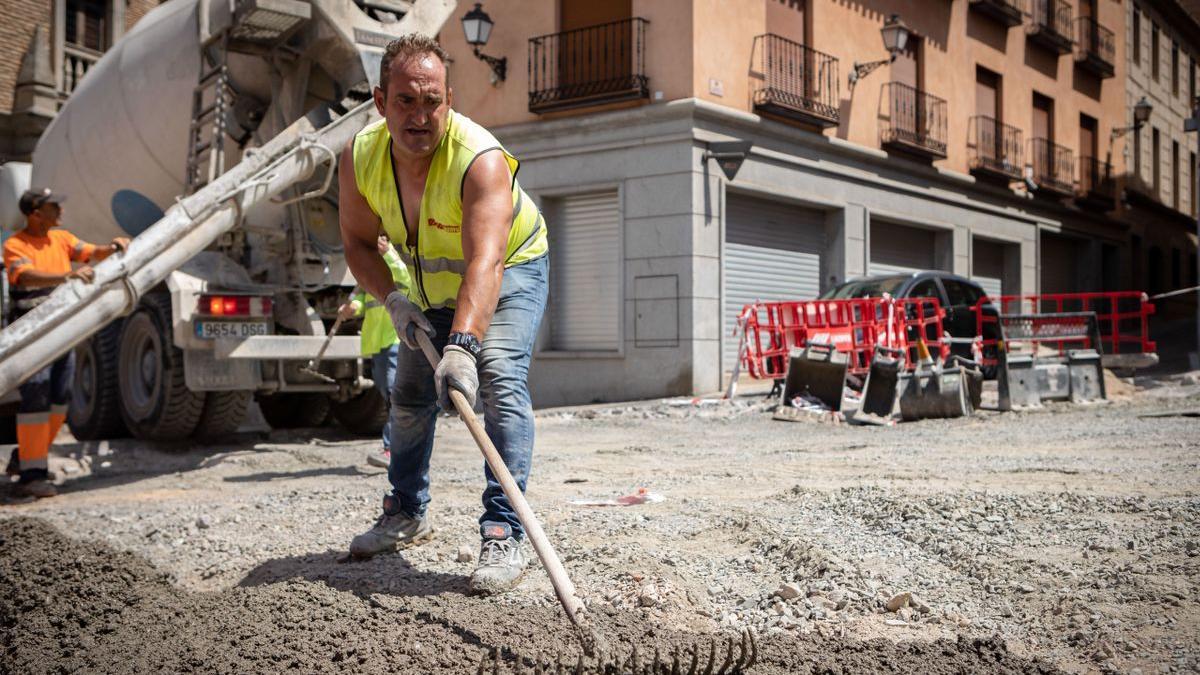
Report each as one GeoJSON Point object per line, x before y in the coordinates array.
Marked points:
{"type": "Point", "coordinates": [563, 588]}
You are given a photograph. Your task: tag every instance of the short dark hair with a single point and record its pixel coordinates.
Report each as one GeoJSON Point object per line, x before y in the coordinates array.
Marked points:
{"type": "Point", "coordinates": [407, 46]}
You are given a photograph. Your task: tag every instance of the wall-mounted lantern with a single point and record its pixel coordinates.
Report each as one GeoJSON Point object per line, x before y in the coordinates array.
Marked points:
{"type": "Point", "coordinates": [895, 38]}
{"type": "Point", "coordinates": [477, 26]}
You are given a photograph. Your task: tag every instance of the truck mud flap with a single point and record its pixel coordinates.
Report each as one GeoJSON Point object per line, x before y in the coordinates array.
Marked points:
{"type": "Point", "coordinates": [817, 371]}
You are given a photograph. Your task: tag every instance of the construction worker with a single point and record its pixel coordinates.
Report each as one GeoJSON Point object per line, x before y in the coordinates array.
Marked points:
{"type": "Point", "coordinates": [445, 191]}
{"type": "Point", "coordinates": [38, 259]}
{"type": "Point", "coordinates": [379, 339]}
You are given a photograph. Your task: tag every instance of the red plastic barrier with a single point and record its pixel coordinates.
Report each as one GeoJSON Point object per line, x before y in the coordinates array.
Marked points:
{"type": "Point", "coordinates": [853, 326]}
{"type": "Point", "coordinates": [1123, 316]}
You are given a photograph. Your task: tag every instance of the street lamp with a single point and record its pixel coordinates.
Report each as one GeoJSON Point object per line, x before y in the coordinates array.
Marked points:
{"type": "Point", "coordinates": [1141, 115]}
{"type": "Point", "coordinates": [477, 26]}
{"type": "Point", "coordinates": [895, 38]}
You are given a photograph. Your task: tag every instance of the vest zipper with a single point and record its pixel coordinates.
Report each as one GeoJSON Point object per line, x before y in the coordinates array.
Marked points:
{"type": "Point", "coordinates": [415, 249]}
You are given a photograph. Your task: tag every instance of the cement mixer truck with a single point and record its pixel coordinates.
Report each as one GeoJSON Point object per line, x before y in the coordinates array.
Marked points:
{"type": "Point", "coordinates": [209, 134]}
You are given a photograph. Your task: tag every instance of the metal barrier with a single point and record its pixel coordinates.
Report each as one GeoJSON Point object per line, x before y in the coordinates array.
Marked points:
{"type": "Point", "coordinates": [854, 327]}
{"type": "Point", "coordinates": [1123, 318]}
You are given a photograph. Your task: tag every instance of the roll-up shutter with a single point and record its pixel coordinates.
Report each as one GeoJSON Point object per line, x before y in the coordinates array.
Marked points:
{"type": "Point", "coordinates": [1060, 264]}
{"type": "Point", "coordinates": [896, 249]}
{"type": "Point", "coordinates": [987, 266]}
{"type": "Point", "coordinates": [585, 284]}
{"type": "Point", "coordinates": [772, 252]}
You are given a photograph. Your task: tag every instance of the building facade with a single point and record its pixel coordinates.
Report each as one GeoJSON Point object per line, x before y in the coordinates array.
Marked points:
{"type": "Point", "coordinates": [990, 146]}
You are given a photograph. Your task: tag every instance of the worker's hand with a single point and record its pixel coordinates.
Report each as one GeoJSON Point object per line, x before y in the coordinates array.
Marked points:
{"type": "Point", "coordinates": [84, 272]}
{"type": "Point", "coordinates": [120, 244]}
{"type": "Point", "coordinates": [407, 317]}
{"type": "Point", "coordinates": [456, 371]}
{"type": "Point", "coordinates": [349, 309]}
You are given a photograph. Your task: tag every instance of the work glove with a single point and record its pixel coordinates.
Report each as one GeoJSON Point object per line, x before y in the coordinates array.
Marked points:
{"type": "Point", "coordinates": [407, 318]}
{"type": "Point", "coordinates": [456, 371]}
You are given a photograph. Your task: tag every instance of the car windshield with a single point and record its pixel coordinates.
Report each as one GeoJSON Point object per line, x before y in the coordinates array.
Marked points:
{"type": "Point", "coordinates": [866, 288]}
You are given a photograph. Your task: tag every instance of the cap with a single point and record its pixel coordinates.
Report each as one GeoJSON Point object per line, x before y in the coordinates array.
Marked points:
{"type": "Point", "coordinates": [33, 200]}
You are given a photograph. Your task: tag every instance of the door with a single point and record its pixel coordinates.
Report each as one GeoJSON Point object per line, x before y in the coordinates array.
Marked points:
{"type": "Point", "coordinates": [772, 252]}
{"type": "Point", "coordinates": [987, 266]}
{"type": "Point", "coordinates": [1060, 259]}
{"type": "Point", "coordinates": [906, 107]}
{"type": "Point", "coordinates": [987, 107]}
{"type": "Point", "coordinates": [898, 249]}
{"type": "Point", "coordinates": [585, 286]}
{"type": "Point", "coordinates": [602, 52]}
{"type": "Point", "coordinates": [1090, 171]}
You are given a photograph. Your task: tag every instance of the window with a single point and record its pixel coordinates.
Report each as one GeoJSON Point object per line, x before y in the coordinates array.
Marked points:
{"type": "Point", "coordinates": [1156, 168]}
{"type": "Point", "coordinates": [1175, 68]}
{"type": "Point", "coordinates": [1154, 52]}
{"type": "Point", "coordinates": [960, 294]}
{"type": "Point", "coordinates": [1137, 37]}
{"type": "Point", "coordinates": [1176, 188]}
{"type": "Point", "coordinates": [585, 288]}
{"type": "Point", "coordinates": [86, 24]}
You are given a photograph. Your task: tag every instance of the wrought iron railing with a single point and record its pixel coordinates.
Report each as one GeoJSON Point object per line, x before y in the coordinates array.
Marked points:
{"type": "Point", "coordinates": [587, 66]}
{"type": "Point", "coordinates": [1095, 178]}
{"type": "Point", "coordinates": [1051, 21]}
{"type": "Point", "coordinates": [77, 61]}
{"type": "Point", "coordinates": [914, 119]}
{"type": "Point", "coordinates": [1008, 11]}
{"type": "Point", "coordinates": [1095, 41]}
{"type": "Point", "coordinates": [796, 79]}
{"type": "Point", "coordinates": [1053, 165]}
{"type": "Point", "coordinates": [996, 146]}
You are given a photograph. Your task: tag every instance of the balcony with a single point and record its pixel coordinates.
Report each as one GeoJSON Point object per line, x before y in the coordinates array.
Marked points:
{"type": "Point", "coordinates": [1008, 12]}
{"type": "Point", "coordinates": [1096, 185]}
{"type": "Point", "coordinates": [995, 149]}
{"type": "Point", "coordinates": [1053, 167]}
{"type": "Point", "coordinates": [77, 60]}
{"type": "Point", "coordinates": [915, 122]}
{"type": "Point", "coordinates": [797, 83]}
{"type": "Point", "coordinates": [1050, 25]}
{"type": "Point", "coordinates": [588, 66]}
{"type": "Point", "coordinates": [1096, 48]}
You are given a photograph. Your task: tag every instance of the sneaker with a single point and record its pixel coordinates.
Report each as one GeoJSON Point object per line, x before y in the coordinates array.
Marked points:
{"type": "Point", "coordinates": [394, 530]}
{"type": "Point", "coordinates": [501, 565]}
{"type": "Point", "coordinates": [381, 459]}
{"type": "Point", "coordinates": [40, 489]}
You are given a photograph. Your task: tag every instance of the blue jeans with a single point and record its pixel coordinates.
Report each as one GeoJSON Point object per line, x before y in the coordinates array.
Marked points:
{"type": "Point", "coordinates": [48, 388]}
{"type": "Point", "coordinates": [383, 371]}
{"type": "Point", "coordinates": [503, 389]}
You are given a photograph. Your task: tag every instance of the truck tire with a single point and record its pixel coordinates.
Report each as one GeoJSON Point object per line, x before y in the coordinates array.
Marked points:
{"type": "Point", "coordinates": [94, 413]}
{"type": "Point", "coordinates": [224, 412]}
{"type": "Point", "coordinates": [363, 415]}
{"type": "Point", "coordinates": [155, 401]}
{"type": "Point", "coordinates": [294, 411]}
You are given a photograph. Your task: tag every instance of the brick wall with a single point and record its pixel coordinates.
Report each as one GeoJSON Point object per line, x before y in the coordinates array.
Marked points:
{"type": "Point", "coordinates": [16, 31]}
{"type": "Point", "coordinates": [135, 10]}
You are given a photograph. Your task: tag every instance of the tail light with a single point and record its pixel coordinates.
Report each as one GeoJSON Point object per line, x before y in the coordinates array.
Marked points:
{"type": "Point", "coordinates": [235, 305]}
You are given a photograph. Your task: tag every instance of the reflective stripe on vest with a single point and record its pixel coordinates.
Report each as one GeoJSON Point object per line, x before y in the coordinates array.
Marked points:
{"type": "Point", "coordinates": [436, 258]}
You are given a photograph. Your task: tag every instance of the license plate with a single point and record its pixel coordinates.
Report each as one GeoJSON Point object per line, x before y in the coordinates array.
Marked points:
{"type": "Point", "coordinates": [209, 330]}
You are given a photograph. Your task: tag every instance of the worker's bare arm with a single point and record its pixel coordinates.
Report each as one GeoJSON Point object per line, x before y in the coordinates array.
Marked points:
{"type": "Point", "coordinates": [102, 252]}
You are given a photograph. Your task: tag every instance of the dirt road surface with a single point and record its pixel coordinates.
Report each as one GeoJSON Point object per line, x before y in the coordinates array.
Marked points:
{"type": "Point", "coordinates": [1063, 539]}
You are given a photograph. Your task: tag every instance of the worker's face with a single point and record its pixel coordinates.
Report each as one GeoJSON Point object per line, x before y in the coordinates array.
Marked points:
{"type": "Point", "coordinates": [416, 104]}
{"type": "Point", "coordinates": [48, 215]}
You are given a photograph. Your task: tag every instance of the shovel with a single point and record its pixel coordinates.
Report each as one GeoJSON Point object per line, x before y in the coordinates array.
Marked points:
{"type": "Point", "coordinates": [311, 368]}
{"type": "Point", "coordinates": [738, 656]}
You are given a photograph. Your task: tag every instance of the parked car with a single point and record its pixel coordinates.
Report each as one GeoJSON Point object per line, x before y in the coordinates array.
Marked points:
{"type": "Point", "coordinates": [958, 295]}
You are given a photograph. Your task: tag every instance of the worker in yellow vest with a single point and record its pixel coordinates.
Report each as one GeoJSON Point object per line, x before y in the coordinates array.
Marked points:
{"type": "Point", "coordinates": [446, 193]}
{"type": "Point", "coordinates": [378, 338]}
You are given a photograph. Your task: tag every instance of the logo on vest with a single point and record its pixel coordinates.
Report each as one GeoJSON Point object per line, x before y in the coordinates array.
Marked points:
{"type": "Point", "coordinates": [452, 229]}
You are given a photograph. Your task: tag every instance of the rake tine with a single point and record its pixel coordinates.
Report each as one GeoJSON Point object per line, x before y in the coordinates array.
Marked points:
{"type": "Point", "coordinates": [482, 664]}
{"type": "Point", "coordinates": [695, 656]}
{"type": "Point", "coordinates": [518, 667]}
{"type": "Point", "coordinates": [712, 658]}
{"type": "Point", "coordinates": [579, 665]}
{"type": "Point", "coordinates": [634, 666]}
{"type": "Point", "coordinates": [537, 668]}
{"type": "Point", "coordinates": [675, 661]}
{"type": "Point", "coordinates": [496, 661]}
{"type": "Point", "coordinates": [753, 648]}
{"type": "Point", "coordinates": [728, 658]}
{"type": "Point", "coordinates": [655, 668]}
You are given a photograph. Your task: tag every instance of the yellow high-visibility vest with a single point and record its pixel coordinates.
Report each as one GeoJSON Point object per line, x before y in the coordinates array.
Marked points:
{"type": "Point", "coordinates": [435, 260]}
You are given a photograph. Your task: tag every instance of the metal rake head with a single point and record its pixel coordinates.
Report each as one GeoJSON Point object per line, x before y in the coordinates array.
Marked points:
{"type": "Point", "coordinates": [734, 656]}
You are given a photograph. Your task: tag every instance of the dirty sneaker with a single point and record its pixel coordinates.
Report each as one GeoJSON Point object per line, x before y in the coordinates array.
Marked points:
{"type": "Point", "coordinates": [394, 530]}
{"type": "Point", "coordinates": [40, 489]}
{"type": "Point", "coordinates": [501, 562]}
{"type": "Point", "coordinates": [381, 459]}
